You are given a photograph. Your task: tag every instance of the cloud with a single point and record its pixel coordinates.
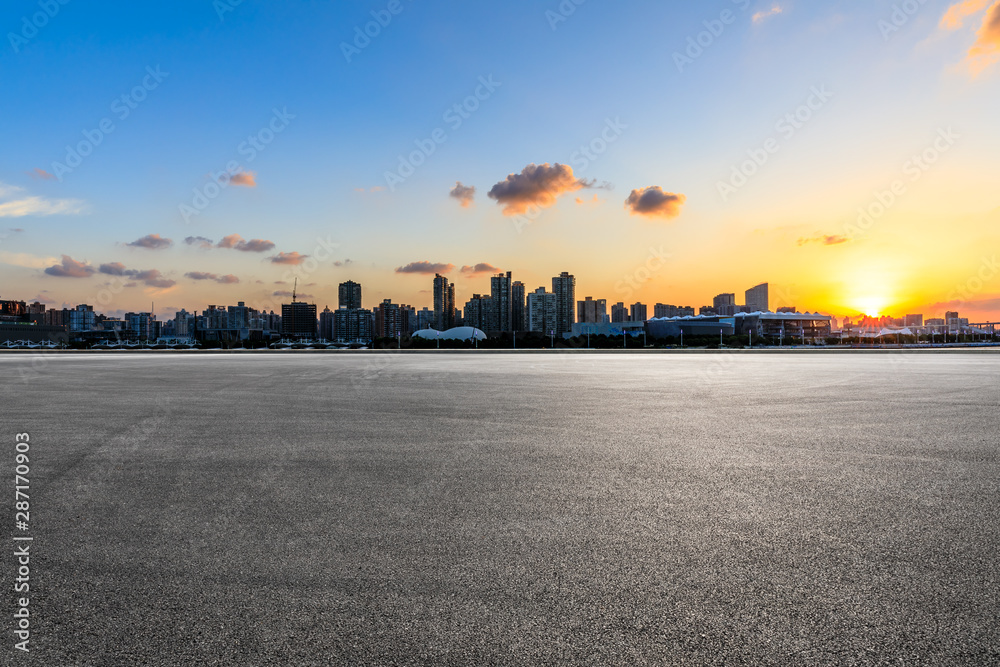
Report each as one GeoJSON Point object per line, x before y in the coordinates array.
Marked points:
{"type": "Point", "coordinates": [537, 185]}
{"type": "Point", "coordinates": [482, 267]}
{"type": "Point", "coordinates": [825, 239]}
{"type": "Point", "coordinates": [36, 205]}
{"type": "Point", "coordinates": [289, 294]}
{"type": "Point", "coordinates": [152, 242]}
{"type": "Point", "coordinates": [247, 179]}
{"type": "Point", "coordinates": [426, 268]}
{"type": "Point", "coordinates": [989, 304]}
{"type": "Point", "coordinates": [200, 241]}
{"type": "Point", "coordinates": [27, 260]}
{"type": "Point", "coordinates": [954, 17]}
{"type": "Point", "coordinates": [113, 269]}
{"type": "Point", "coordinates": [70, 268]}
{"type": "Point", "coordinates": [41, 299]}
{"type": "Point", "coordinates": [201, 275]}
{"type": "Point", "coordinates": [345, 262]}
{"type": "Point", "coordinates": [153, 278]}
{"type": "Point", "coordinates": [653, 202]}
{"type": "Point", "coordinates": [288, 258]}
{"type": "Point", "coordinates": [465, 194]}
{"type": "Point", "coordinates": [762, 15]}
{"type": "Point", "coordinates": [40, 174]}
{"type": "Point", "coordinates": [595, 200]}
{"type": "Point", "coordinates": [236, 242]}
{"type": "Point", "coordinates": [986, 51]}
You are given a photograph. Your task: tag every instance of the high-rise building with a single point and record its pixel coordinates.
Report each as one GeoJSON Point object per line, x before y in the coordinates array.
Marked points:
{"type": "Point", "coordinates": [391, 319]}
{"type": "Point", "coordinates": [349, 295]}
{"type": "Point", "coordinates": [517, 296]}
{"type": "Point", "coordinates": [298, 320]}
{"type": "Point", "coordinates": [353, 325]}
{"type": "Point", "coordinates": [564, 287]}
{"type": "Point", "coordinates": [724, 304]}
{"type": "Point", "coordinates": [542, 312]}
{"type": "Point", "coordinates": [757, 299]}
{"type": "Point", "coordinates": [444, 303]}
{"type": "Point", "coordinates": [479, 312]}
{"type": "Point", "coordinates": [425, 319]}
{"type": "Point", "coordinates": [914, 320]}
{"type": "Point", "coordinates": [182, 324]}
{"type": "Point", "coordinates": [326, 324]}
{"type": "Point", "coordinates": [664, 310]}
{"type": "Point", "coordinates": [500, 291]}
{"type": "Point", "coordinates": [81, 318]}
{"type": "Point", "coordinates": [619, 313]}
{"type": "Point", "coordinates": [239, 316]}
{"type": "Point", "coordinates": [638, 313]}
{"type": "Point", "coordinates": [592, 311]}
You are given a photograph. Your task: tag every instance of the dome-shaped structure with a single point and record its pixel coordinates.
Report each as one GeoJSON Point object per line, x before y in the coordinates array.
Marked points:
{"type": "Point", "coordinates": [427, 334]}
{"type": "Point", "coordinates": [463, 333]}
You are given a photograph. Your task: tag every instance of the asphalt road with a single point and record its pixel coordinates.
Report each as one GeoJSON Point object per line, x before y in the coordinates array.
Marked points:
{"type": "Point", "coordinates": [529, 509]}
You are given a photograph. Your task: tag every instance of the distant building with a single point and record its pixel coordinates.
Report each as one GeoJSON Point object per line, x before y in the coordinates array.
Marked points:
{"type": "Point", "coordinates": [664, 310]}
{"type": "Point", "coordinates": [353, 325]}
{"type": "Point", "coordinates": [707, 310]}
{"type": "Point", "coordinates": [444, 303]}
{"type": "Point", "coordinates": [298, 320]}
{"type": "Point", "coordinates": [757, 299]}
{"type": "Point", "coordinates": [685, 311]}
{"type": "Point", "coordinates": [638, 313]}
{"type": "Point", "coordinates": [517, 303]}
{"type": "Point", "coordinates": [722, 302]}
{"type": "Point", "coordinates": [564, 287]}
{"type": "Point", "coordinates": [500, 291]}
{"type": "Point", "coordinates": [914, 320]}
{"type": "Point", "coordinates": [619, 313]}
{"type": "Point", "coordinates": [591, 311]}
{"type": "Point", "coordinates": [542, 310]}
{"type": "Point", "coordinates": [349, 295]}
{"type": "Point", "coordinates": [326, 324]}
{"type": "Point", "coordinates": [479, 312]}
{"type": "Point", "coordinates": [787, 309]}
{"type": "Point", "coordinates": [425, 319]}
{"type": "Point", "coordinates": [391, 320]}
{"type": "Point", "coordinates": [81, 318]}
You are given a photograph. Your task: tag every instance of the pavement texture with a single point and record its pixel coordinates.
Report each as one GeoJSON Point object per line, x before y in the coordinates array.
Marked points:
{"type": "Point", "coordinates": [518, 509]}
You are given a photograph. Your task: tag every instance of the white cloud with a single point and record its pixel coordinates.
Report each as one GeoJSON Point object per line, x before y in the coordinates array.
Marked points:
{"type": "Point", "coordinates": [27, 260]}
{"type": "Point", "coordinates": [20, 205]}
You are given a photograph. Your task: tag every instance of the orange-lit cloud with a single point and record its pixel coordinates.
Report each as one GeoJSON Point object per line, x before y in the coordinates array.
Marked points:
{"type": "Point", "coordinates": [426, 268]}
{"type": "Point", "coordinates": [653, 202]}
{"type": "Point", "coordinates": [538, 185]}
{"type": "Point", "coordinates": [824, 239]}
{"type": "Point", "coordinates": [152, 242]}
{"type": "Point", "coordinates": [478, 269]}
{"type": "Point", "coordinates": [247, 179]}
{"type": "Point", "coordinates": [465, 194]}
{"type": "Point", "coordinates": [761, 15]}
{"type": "Point", "coordinates": [291, 294]}
{"type": "Point", "coordinates": [986, 51]}
{"type": "Point", "coordinates": [288, 258]}
{"type": "Point", "coordinates": [150, 277]}
{"type": "Point", "coordinates": [200, 241]}
{"type": "Point", "coordinates": [594, 200]}
{"type": "Point", "coordinates": [41, 174]}
{"type": "Point", "coordinates": [236, 242]}
{"type": "Point", "coordinates": [70, 268]}
{"type": "Point", "coordinates": [954, 17]}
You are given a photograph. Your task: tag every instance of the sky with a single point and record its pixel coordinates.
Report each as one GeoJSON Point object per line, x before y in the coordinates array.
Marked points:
{"type": "Point", "coordinates": [208, 152]}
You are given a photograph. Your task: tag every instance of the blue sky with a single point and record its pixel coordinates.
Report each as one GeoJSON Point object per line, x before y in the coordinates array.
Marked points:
{"type": "Point", "coordinates": [226, 67]}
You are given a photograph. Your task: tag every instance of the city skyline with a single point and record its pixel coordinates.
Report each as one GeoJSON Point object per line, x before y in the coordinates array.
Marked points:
{"type": "Point", "coordinates": [171, 180]}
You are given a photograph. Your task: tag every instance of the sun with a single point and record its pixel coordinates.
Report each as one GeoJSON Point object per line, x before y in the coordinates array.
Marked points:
{"type": "Point", "coordinates": [872, 306]}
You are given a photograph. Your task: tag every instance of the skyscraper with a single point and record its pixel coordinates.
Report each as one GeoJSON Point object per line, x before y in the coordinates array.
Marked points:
{"type": "Point", "coordinates": [638, 312]}
{"type": "Point", "coordinates": [619, 313]}
{"type": "Point", "coordinates": [349, 295]}
{"type": "Point", "coordinates": [724, 304]}
{"type": "Point", "coordinates": [500, 291]}
{"type": "Point", "coordinates": [564, 288]}
{"type": "Point", "coordinates": [591, 310]}
{"type": "Point", "coordinates": [517, 295]}
{"type": "Point", "coordinates": [757, 299]}
{"type": "Point", "coordinates": [541, 311]}
{"type": "Point", "coordinates": [479, 312]}
{"type": "Point", "coordinates": [326, 330]}
{"type": "Point", "coordinates": [444, 303]}
{"type": "Point", "coordinates": [298, 320]}
{"type": "Point", "coordinates": [391, 320]}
